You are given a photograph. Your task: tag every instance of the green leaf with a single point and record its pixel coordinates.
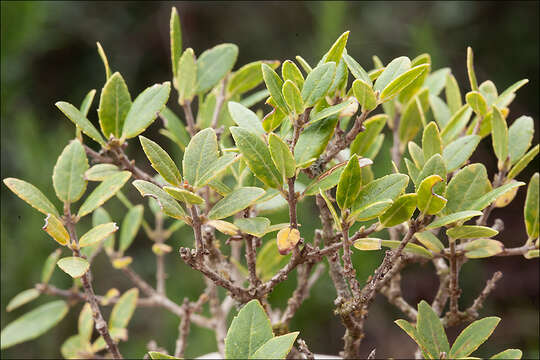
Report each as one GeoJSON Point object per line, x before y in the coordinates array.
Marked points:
{"type": "Point", "coordinates": [364, 94]}
{"type": "Point", "coordinates": [292, 97]}
{"type": "Point", "coordinates": [161, 161]}
{"type": "Point", "coordinates": [167, 203]}
{"type": "Point", "coordinates": [459, 151]}
{"type": "Point", "coordinates": [307, 68]}
{"type": "Point", "coordinates": [257, 156]}
{"type": "Point", "coordinates": [401, 210]}
{"type": "Point", "coordinates": [313, 139]}
{"type": "Point", "coordinates": [368, 244]}
{"type": "Point", "coordinates": [482, 248]}
{"type": "Point", "coordinates": [33, 324]}
{"type": "Point", "coordinates": [200, 153]}
{"type": "Point", "coordinates": [489, 91]}
{"type": "Point", "coordinates": [337, 222]}
{"type": "Point", "coordinates": [68, 174]}
{"type": "Point", "coordinates": [157, 355]}
{"type": "Point", "coordinates": [430, 241]}
{"type": "Point", "coordinates": [413, 333]}
{"type": "Point", "coordinates": [87, 102]}
{"type": "Point", "coordinates": [326, 180]}
{"type": "Point", "coordinates": [385, 190]}
{"type": "Point", "coordinates": [75, 347]}
{"type": "Point", "coordinates": [114, 106]}
{"type": "Point", "coordinates": [235, 202]}
{"type": "Point", "coordinates": [32, 195]}
{"type": "Point", "coordinates": [523, 162]}
{"type": "Point", "coordinates": [79, 119]}
{"type": "Point", "coordinates": [256, 226]}
{"type": "Point", "coordinates": [371, 211]}
{"type": "Point", "coordinates": [440, 111]}
{"type": "Point", "coordinates": [282, 156]}
{"type": "Point", "coordinates": [363, 141]}
{"type": "Point", "coordinates": [186, 78]}
{"type": "Point", "coordinates": [249, 76]}
{"type": "Point", "coordinates": [456, 124]}
{"type": "Point", "coordinates": [184, 195]}
{"type": "Point", "coordinates": [392, 71]}
{"type": "Point", "coordinates": [49, 266]}
{"type": "Point", "coordinates": [249, 330]}
{"type": "Point", "coordinates": [470, 69]}
{"type": "Point", "coordinates": [116, 334]}
{"type": "Point", "coordinates": [330, 111]}
{"type": "Point", "coordinates": [520, 135]}
{"type": "Point", "coordinates": [214, 64]}
{"type": "Point", "coordinates": [145, 109]}
{"type": "Point", "coordinates": [22, 298]}
{"type": "Point", "coordinates": [245, 118]}
{"type": "Point", "coordinates": [107, 189]}
{"type": "Point", "coordinates": [499, 133]}
{"type": "Point", "coordinates": [409, 248]}
{"type": "Point", "coordinates": [493, 195]}
{"type": "Point", "coordinates": [130, 226]}
{"type": "Point", "coordinates": [274, 84]}
{"type": "Point", "coordinates": [431, 141]}
{"type": "Point", "coordinates": [417, 155]}
{"type": "Point", "coordinates": [100, 172]}
{"type": "Point", "coordinates": [176, 40]}
{"type": "Point", "coordinates": [103, 57]}
{"type": "Point", "coordinates": [436, 80]}
{"type": "Point", "coordinates": [357, 70]}
{"type": "Point", "coordinates": [85, 323]}
{"type": "Point", "coordinates": [317, 83]}
{"type": "Point", "coordinates": [473, 336]}
{"type": "Point", "coordinates": [413, 117]}
{"type": "Point", "coordinates": [269, 261]}
{"type": "Point", "coordinates": [97, 234]}
{"type": "Point", "coordinates": [470, 232]}
{"type": "Point", "coordinates": [401, 82]}
{"type": "Point", "coordinates": [530, 211]}
{"type": "Point", "coordinates": [74, 266]}
{"type": "Point", "coordinates": [429, 202]}
{"type": "Point", "coordinates": [349, 184]}
{"type": "Point", "coordinates": [216, 168]}
{"type": "Point", "coordinates": [289, 71]}
{"type": "Point", "coordinates": [430, 331]}
{"type": "Point", "coordinates": [276, 348]}
{"type": "Point", "coordinates": [434, 166]}
{"type": "Point", "coordinates": [176, 130]}
{"type": "Point", "coordinates": [453, 94]}
{"type": "Point", "coordinates": [508, 354]}
{"type": "Point", "coordinates": [460, 216]}
{"type": "Point", "coordinates": [54, 227]}
{"type": "Point", "coordinates": [465, 187]}
{"type": "Point", "coordinates": [337, 49]}
{"type": "Point", "coordinates": [273, 119]}
{"type": "Point", "coordinates": [123, 310]}
{"type": "Point", "coordinates": [412, 170]}
{"type": "Point", "coordinates": [101, 216]}
{"type": "Point", "coordinates": [477, 102]}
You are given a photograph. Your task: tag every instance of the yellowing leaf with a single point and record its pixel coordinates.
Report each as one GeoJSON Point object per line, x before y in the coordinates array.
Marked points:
{"type": "Point", "coordinates": [224, 227]}
{"type": "Point", "coordinates": [124, 309]}
{"type": "Point", "coordinates": [68, 174]}
{"type": "Point", "coordinates": [54, 227]}
{"type": "Point", "coordinates": [74, 266]}
{"type": "Point", "coordinates": [287, 240]}
{"type": "Point", "coordinates": [161, 161]}
{"type": "Point", "coordinates": [107, 189]}
{"type": "Point", "coordinates": [32, 195]}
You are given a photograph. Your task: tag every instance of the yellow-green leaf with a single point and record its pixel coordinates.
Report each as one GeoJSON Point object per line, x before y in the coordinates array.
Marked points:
{"type": "Point", "coordinates": [349, 184]}
{"type": "Point", "coordinates": [68, 174]}
{"type": "Point", "coordinates": [54, 227]}
{"type": "Point", "coordinates": [453, 94]}
{"type": "Point", "coordinates": [256, 226]}
{"type": "Point", "coordinates": [123, 310]}
{"type": "Point", "coordinates": [401, 210]}
{"type": "Point", "coordinates": [167, 203]}
{"type": "Point", "coordinates": [313, 140]}
{"type": "Point", "coordinates": [213, 64]}
{"type": "Point", "coordinates": [401, 82]}
{"type": "Point", "coordinates": [276, 348]}
{"type": "Point", "coordinates": [473, 336]}
{"type": "Point", "coordinates": [337, 222]}
{"type": "Point", "coordinates": [184, 195]}
{"type": "Point", "coordinates": [73, 266]}
{"type": "Point", "coordinates": [499, 135]}
{"type": "Point", "coordinates": [482, 248]}
{"type": "Point", "coordinates": [245, 118]}
{"type": "Point", "coordinates": [317, 83]}
{"type": "Point", "coordinates": [409, 248]}
{"type": "Point", "coordinates": [333, 110]}
{"type": "Point", "coordinates": [523, 162]}
{"type": "Point", "coordinates": [235, 202]}
{"type": "Point", "coordinates": [85, 323]}
{"type": "Point", "coordinates": [114, 106]}
{"type": "Point", "coordinates": [79, 119]}
{"type": "Point", "coordinates": [99, 172]}
{"type": "Point", "coordinates": [337, 49]}
{"type": "Point", "coordinates": [24, 297]}
{"type": "Point", "coordinates": [430, 202]}
{"type": "Point", "coordinates": [145, 109]}
{"type": "Point", "coordinates": [103, 57]}
{"type": "Point", "coordinates": [513, 354]}
{"type": "Point", "coordinates": [470, 232]}
{"type": "Point", "coordinates": [531, 208]}
{"type": "Point", "coordinates": [33, 324]}
{"type": "Point", "coordinates": [430, 241]}
{"type": "Point", "coordinates": [456, 124]}
{"type": "Point", "coordinates": [176, 39]}
{"type": "Point", "coordinates": [477, 102]}
{"type": "Point", "coordinates": [249, 76]}
{"type": "Point", "coordinates": [130, 227]}
{"type": "Point", "coordinates": [356, 70]}
{"type": "Point", "coordinates": [520, 135]}
{"type": "Point", "coordinates": [494, 194]}
{"type": "Point", "coordinates": [392, 71]}
{"type": "Point", "coordinates": [161, 161]}
{"type": "Point", "coordinates": [465, 187]}
{"type": "Point", "coordinates": [200, 153]}
{"type": "Point", "coordinates": [410, 329]}
{"type": "Point", "coordinates": [459, 151]}
{"type": "Point", "coordinates": [50, 265]}
{"type": "Point", "coordinates": [289, 71]}
{"type": "Point", "coordinates": [364, 94]}
{"type": "Point", "coordinates": [460, 216]}
{"type": "Point", "coordinates": [292, 97]}
{"type": "Point", "coordinates": [431, 141]}
{"type": "Point", "coordinates": [186, 78]}
{"type": "Point", "coordinates": [431, 331]}
{"type": "Point", "coordinates": [281, 155]}
{"type": "Point", "coordinates": [274, 84]}
{"type": "Point", "coordinates": [470, 69]}
{"type": "Point", "coordinates": [107, 189]}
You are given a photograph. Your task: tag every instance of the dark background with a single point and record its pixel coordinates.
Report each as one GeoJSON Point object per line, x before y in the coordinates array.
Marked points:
{"type": "Point", "coordinates": [48, 53]}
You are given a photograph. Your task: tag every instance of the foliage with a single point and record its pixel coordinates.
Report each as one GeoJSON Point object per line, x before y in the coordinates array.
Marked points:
{"type": "Point", "coordinates": [238, 161]}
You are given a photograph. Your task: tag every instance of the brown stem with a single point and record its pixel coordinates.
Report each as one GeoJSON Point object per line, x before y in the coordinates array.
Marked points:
{"type": "Point", "coordinates": [454, 291]}
{"type": "Point", "coordinates": [189, 118]}
{"type": "Point", "coordinates": [183, 330]}
{"type": "Point", "coordinates": [100, 324]}
{"type": "Point", "coordinates": [251, 261]}
{"type": "Point", "coordinates": [392, 291]}
{"type": "Point", "coordinates": [197, 230]}
{"type": "Point", "coordinates": [219, 103]}
{"type": "Point", "coordinates": [479, 301]}
{"type": "Point", "coordinates": [348, 268]}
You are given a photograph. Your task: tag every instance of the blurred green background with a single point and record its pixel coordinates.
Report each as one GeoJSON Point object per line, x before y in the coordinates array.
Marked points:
{"type": "Point", "coordinates": [48, 53]}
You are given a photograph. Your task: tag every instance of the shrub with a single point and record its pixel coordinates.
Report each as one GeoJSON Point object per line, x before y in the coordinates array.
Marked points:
{"type": "Point", "coordinates": [317, 144]}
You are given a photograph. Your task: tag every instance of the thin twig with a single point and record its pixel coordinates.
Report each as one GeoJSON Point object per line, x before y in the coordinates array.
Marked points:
{"type": "Point", "coordinates": [220, 99]}
{"type": "Point", "coordinates": [189, 117]}
{"type": "Point", "coordinates": [454, 290]}
{"type": "Point", "coordinates": [479, 301]}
